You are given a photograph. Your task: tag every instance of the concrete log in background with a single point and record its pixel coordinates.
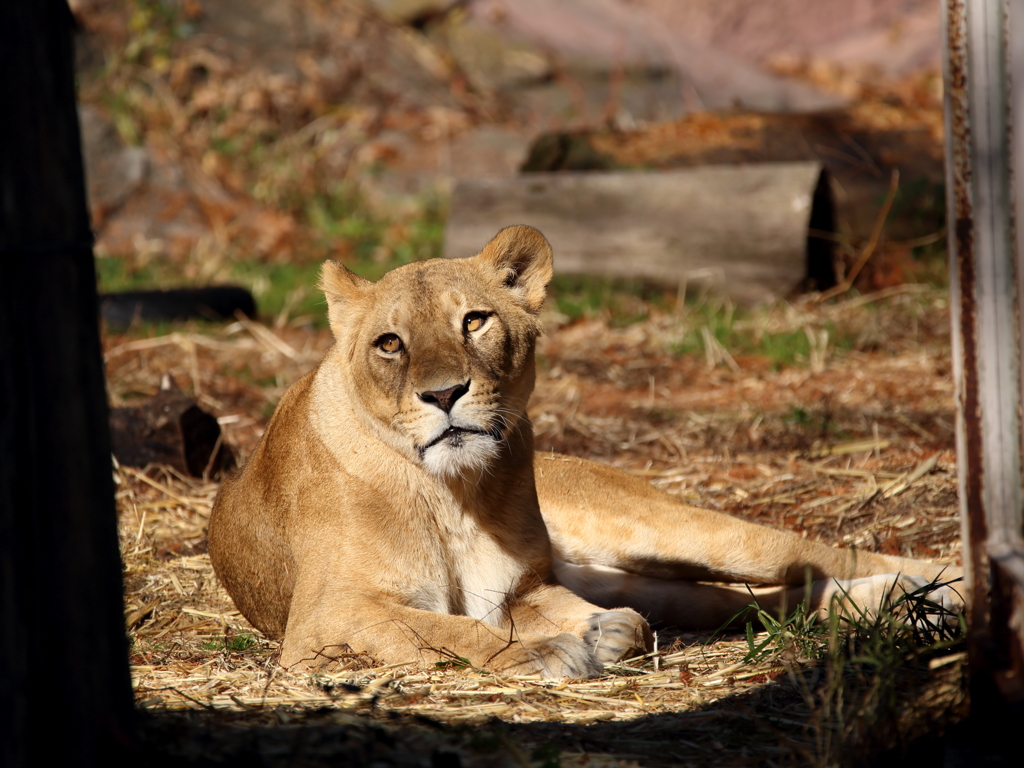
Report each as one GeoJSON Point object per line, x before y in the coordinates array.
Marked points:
{"type": "Point", "coordinates": [745, 229]}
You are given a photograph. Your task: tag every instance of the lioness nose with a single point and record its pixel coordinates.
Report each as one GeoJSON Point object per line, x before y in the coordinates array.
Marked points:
{"type": "Point", "coordinates": [445, 398]}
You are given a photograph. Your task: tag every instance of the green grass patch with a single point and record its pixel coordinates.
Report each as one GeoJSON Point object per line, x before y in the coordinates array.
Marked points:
{"type": "Point", "coordinates": [375, 243]}
{"type": "Point", "coordinates": [117, 274]}
{"type": "Point", "coordinates": [369, 244]}
{"type": "Point", "coordinates": [706, 319]}
{"type": "Point", "coordinates": [283, 287]}
{"type": "Point", "coordinates": [235, 643]}
{"type": "Point", "coordinates": [455, 662]}
{"type": "Point", "coordinates": [622, 302]}
{"type": "Point", "coordinates": [745, 332]}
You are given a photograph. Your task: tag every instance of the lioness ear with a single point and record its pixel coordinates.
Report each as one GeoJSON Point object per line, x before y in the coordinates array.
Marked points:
{"type": "Point", "coordinates": [522, 257]}
{"type": "Point", "coordinates": [341, 286]}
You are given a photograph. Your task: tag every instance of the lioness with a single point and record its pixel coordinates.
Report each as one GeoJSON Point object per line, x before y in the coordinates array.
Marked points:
{"type": "Point", "coordinates": [395, 504]}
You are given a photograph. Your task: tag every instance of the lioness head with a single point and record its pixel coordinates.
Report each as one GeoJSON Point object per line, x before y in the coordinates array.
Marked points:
{"type": "Point", "coordinates": [440, 353]}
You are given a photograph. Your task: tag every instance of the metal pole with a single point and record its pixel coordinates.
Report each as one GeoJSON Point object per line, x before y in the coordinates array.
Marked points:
{"type": "Point", "coordinates": [983, 195]}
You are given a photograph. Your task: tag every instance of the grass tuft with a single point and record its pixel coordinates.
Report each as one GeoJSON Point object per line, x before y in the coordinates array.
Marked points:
{"type": "Point", "coordinates": [863, 673]}
{"type": "Point", "coordinates": [799, 633]}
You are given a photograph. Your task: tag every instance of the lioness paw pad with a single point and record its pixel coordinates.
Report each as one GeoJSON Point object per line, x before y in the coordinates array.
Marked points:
{"type": "Point", "coordinates": [613, 635]}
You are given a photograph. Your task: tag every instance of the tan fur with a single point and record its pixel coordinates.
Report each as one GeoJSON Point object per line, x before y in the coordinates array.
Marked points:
{"type": "Point", "coordinates": [365, 522]}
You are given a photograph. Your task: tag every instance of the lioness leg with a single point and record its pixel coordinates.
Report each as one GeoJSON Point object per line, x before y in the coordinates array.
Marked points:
{"type": "Point", "coordinates": [394, 633]}
{"type": "Point", "coordinates": [693, 605]}
{"type": "Point", "coordinates": [597, 515]}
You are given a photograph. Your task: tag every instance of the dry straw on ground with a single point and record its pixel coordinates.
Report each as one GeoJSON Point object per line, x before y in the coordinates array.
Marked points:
{"type": "Point", "coordinates": [854, 448]}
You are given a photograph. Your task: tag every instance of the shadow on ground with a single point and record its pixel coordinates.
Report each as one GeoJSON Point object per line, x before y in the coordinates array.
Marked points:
{"type": "Point", "coordinates": [770, 726]}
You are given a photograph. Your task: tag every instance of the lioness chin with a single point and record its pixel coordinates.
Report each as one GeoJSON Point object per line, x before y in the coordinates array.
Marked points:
{"type": "Point", "coordinates": [395, 505]}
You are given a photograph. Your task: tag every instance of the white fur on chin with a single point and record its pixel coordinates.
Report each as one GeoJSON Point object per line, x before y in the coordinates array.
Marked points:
{"type": "Point", "coordinates": [471, 453]}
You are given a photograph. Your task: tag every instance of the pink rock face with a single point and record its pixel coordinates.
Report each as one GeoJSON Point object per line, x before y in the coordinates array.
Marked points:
{"type": "Point", "coordinates": [602, 37]}
{"type": "Point", "coordinates": [608, 31]}
{"type": "Point", "coordinates": [895, 36]}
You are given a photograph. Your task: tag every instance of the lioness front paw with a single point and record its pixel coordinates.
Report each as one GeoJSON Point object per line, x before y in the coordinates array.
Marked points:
{"type": "Point", "coordinates": [563, 655]}
{"type": "Point", "coordinates": [614, 635]}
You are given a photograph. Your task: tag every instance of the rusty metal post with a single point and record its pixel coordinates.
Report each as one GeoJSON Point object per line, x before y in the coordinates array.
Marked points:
{"type": "Point", "coordinates": [984, 198]}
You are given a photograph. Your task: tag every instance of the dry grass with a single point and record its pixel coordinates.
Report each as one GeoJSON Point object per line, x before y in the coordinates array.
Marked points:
{"type": "Point", "coordinates": [852, 448]}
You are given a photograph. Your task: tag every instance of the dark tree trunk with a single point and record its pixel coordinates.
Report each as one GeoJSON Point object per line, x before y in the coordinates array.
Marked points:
{"type": "Point", "coordinates": [65, 694]}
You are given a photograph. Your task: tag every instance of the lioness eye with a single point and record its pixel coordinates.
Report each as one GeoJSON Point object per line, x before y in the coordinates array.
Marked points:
{"type": "Point", "coordinates": [389, 343]}
{"type": "Point", "coordinates": [474, 321]}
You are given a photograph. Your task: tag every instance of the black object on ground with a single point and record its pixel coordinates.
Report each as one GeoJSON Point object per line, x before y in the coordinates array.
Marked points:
{"type": "Point", "coordinates": [215, 302]}
{"type": "Point", "coordinates": [170, 429]}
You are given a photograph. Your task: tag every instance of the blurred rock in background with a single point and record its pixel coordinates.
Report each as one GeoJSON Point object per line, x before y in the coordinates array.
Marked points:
{"type": "Point", "coordinates": [220, 130]}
